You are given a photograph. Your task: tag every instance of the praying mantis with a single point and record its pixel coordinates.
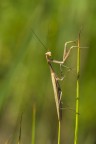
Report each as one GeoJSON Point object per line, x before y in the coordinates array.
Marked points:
{"type": "Point", "coordinates": [55, 79]}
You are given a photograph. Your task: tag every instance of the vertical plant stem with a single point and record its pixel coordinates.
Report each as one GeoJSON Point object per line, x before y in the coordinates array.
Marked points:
{"type": "Point", "coordinates": [19, 139]}
{"type": "Point", "coordinates": [77, 92]}
{"type": "Point", "coordinates": [59, 127]}
{"type": "Point", "coordinates": [33, 124]}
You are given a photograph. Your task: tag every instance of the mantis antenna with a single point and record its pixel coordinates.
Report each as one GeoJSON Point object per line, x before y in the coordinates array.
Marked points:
{"type": "Point", "coordinates": [39, 39]}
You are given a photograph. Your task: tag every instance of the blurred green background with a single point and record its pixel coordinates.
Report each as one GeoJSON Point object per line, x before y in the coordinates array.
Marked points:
{"type": "Point", "coordinates": [25, 77]}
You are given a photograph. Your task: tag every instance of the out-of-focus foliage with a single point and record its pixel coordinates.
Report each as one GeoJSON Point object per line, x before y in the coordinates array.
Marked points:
{"type": "Point", "coordinates": [25, 76]}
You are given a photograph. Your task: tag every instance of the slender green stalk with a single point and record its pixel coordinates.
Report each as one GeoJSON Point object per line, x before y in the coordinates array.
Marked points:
{"type": "Point", "coordinates": [19, 140]}
{"type": "Point", "coordinates": [77, 92]}
{"type": "Point", "coordinates": [33, 124]}
{"type": "Point", "coordinates": [59, 127]}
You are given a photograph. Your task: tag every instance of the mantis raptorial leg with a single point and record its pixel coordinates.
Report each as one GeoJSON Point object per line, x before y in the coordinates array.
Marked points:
{"type": "Point", "coordinates": [65, 53]}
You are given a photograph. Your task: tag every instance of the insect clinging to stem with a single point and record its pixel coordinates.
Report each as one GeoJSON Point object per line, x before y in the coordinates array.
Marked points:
{"type": "Point", "coordinates": [55, 79]}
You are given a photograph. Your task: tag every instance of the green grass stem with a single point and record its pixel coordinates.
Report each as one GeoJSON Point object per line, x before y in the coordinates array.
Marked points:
{"type": "Point", "coordinates": [19, 139]}
{"type": "Point", "coordinates": [33, 124]}
{"type": "Point", "coordinates": [59, 127]}
{"type": "Point", "coordinates": [77, 92]}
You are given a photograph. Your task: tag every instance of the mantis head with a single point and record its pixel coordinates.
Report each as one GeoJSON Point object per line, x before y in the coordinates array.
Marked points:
{"type": "Point", "coordinates": [48, 54]}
